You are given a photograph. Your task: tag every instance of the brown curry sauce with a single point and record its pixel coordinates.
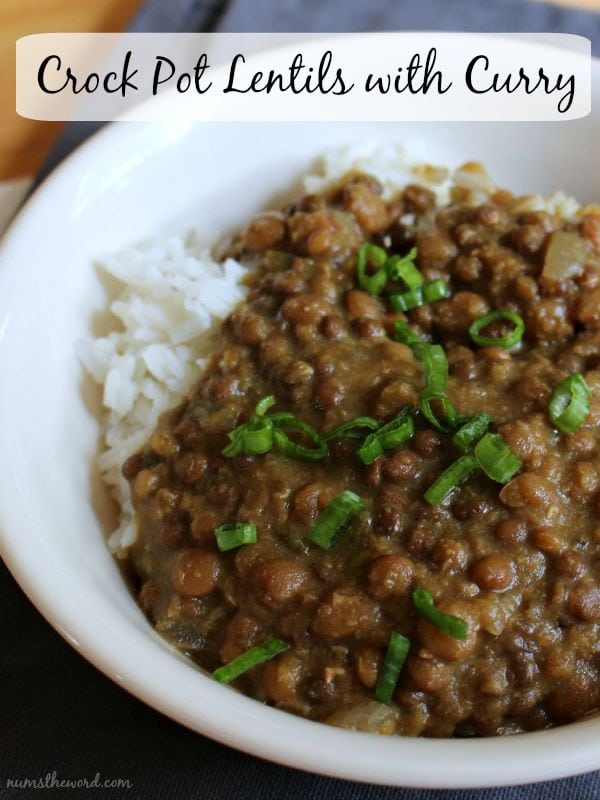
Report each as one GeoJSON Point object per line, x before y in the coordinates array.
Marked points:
{"type": "Point", "coordinates": [518, 563]}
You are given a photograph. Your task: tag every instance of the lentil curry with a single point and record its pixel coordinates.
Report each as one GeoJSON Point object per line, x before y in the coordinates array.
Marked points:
{"type": "Point", "coordinates": [438, 576]}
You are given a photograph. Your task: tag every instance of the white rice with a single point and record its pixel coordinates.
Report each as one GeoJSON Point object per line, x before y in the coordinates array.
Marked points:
{"type": "Point", "coordinates": [173, 297]}
{"type": "Point", "coordinates": [389, 163]}
{"type": "Point", "coordinates": [175, 294]}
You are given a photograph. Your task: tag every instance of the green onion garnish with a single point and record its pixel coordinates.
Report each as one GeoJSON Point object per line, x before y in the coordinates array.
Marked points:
{"type": "Point", "coordinates": [435, 290]}
{"type": "Point", "coordinates": [251, 658]}
{"type": "Point", "coordinates": [435, 367]}
{"type": "Point", "coordinates": [507, 341]}
{"type": "Point", "coordinates": [264, 405]}
{"type": "Point", "coordinates": [448, 420]}
{"type": "Point", "coordinates": [252, 438]}
{"type": "Point", "coordinates": [338, 515]}
{"type": "Point", "coordinates": [261, 433]}
{"type": "Point", "coordinates": [453, 626]}
{"type": "Point", "coordinates": [352, 429]}
{"type": "Point", "coordinates": [392, 665]}
{"type": "Point", "coordinates": [402, 268]}
{"type": "Point", "coordinates": [406, 301]}
{"type": "Point", "coordinates": [370, 253]}
{"type": "Point", "coordinates": [427, 293]}
{"type": "Point", "coordinates": [395, 433]}
{"type": "Point", "coordinates": [398, 431]}
{"type": "Point", "coordinates": [292, 449]}
{"type": "Point", "coordinates": [570, 403]}
{"type": "Point", "coordinates": [404, 334]}
{"type": "Point", "coordinates": [471, 432]}
{"type": "Point", "coordinates": [235, 534]}
{"type": "Point", "coordinates": [496, 458]}
{"type": "Point", "coordinates": [450, 479]}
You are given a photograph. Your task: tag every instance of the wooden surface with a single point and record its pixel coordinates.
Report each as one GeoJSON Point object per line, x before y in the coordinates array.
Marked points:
{"type": "Point", "coordinates": [24, 142]}
{"type": "Point", "coordinates": [590, 5]}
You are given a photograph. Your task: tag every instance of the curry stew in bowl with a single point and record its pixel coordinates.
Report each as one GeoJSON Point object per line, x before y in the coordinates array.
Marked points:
{"type": "Point", "coordinates": [379, 507]}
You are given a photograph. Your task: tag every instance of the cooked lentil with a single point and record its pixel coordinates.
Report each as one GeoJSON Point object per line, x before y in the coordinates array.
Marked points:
{"type": "Point", "coordinates": [519, 564]}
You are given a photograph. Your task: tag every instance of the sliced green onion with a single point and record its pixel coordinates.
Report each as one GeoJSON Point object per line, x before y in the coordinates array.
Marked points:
{"type": "Point", "coordinates": [338, 515]}
{"type": "Point", "coordinates": [352, 429]}
{"type": "Point", "coordinates": [292, 449]}
{"type": "Point", "coordinates": [570, 403]}
{"type": "Point", "coordinates": [374, 284]}
{"type": "Point", "coordinates": [507, 341]}
{"type": "Point", "coordinates": [402, 268]}
{"type": "Point", "coordinates": [496, 458]}
{"type": "Point", "coordinates": [453, 626]}
{"type": "Point", "coordinates": [419, 292]}
{"type": "Point", "coordinates": [467, 436]}
{"type": "Point", "coordinates": [251, 658]}
{"type": "Point", "coordinates": [450, 479]}
{"type": "Point", "coordinates": [261, 433]}
{"type": "Point", "coordinates": [406, 301]}
{"type": "Point", "coordinates": [435, 367]}
{"type": "Point", "coordinates": [235, 534]}
{"type": "Point", "coordinates": [392, 666]}
{"type": "Point", "coordinates": [236, 447]}
{"type": "Point", "coordinates": [253, 438]}
{"type": "Point", "coordinates": [281, 418]}
{"type": "Point", "coordinates": [435, 290]}
{"type": "Point", "coordinates": [370, 450]}
{"type": "Point", "coordinates": [395, 433]}
{"type": "Point", "coordinates": [264, 405]}
{"type": "Point", "coordinates": [450, 416]}
{"type": "Point", "coordinates": [398, 431]}
{"type": "Point", "coordinates": [404, 334]}
{"type": "Point", "coordinates": [258, 438]}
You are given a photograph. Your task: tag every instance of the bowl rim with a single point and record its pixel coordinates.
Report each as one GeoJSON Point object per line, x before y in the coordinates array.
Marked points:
{"type": "Point", "coordinates": [285, 738]}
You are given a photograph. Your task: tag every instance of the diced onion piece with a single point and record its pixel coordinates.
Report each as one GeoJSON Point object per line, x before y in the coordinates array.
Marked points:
{"type": "Point", "coordinates": [473, 175]}
{"type": "Point", "coordinates": [368, 716]}
{"type": "Point", "coordinates": [430, 173]}
{"type": "Point", "coordinates": [565, 256]}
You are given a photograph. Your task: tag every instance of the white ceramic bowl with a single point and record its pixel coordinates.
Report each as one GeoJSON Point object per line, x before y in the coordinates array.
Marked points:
{"type": "Point", "coordinates": [130, 181]}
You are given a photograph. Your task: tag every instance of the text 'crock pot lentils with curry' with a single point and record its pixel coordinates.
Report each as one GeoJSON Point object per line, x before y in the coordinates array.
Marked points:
{"type": "Point", "coordinates": [380, 506]}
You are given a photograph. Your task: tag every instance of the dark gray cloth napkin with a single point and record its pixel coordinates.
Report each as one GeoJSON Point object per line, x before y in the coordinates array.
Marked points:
{"type": "Point", "coordinates": [60, 715]}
